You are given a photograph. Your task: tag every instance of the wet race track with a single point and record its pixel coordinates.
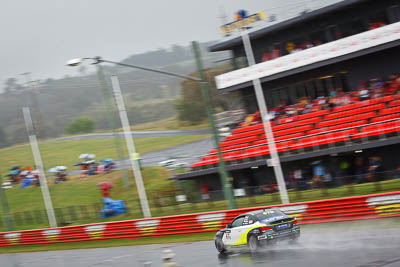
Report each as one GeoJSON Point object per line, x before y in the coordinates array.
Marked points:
{"type": "Point", "coordinates": [363, 246]}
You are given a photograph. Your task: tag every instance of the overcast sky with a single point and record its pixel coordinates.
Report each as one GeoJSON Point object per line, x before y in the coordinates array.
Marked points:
{"type": "Point", "coordinates": [40, 36]}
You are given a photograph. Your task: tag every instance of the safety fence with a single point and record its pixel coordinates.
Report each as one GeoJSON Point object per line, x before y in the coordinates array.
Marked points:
{"type": "Point", "coordinates": [321, 211]}
{"type": "Point", "coordinates": [195, 201]}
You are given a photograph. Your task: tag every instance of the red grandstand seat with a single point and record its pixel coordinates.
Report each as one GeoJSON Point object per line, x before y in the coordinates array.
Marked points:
{"type": "Point", "coordinates": [244, 145]}
{"type": "Point", "coordinates": [387, 111]}
{"type": "Point", "coordinates": [394, 103]}
{"type": "Point", "coordinates": [228, 156]}
{"type": "Point", "coordinates": [290, 136]}
{"type": "Point", "coordinates": [296, 123]}
{"type": "Point", "coordinates": [316, 131]}
{"type": "Point", "coordinates": [350, 106]}
{"type": "Point", "coordinates": [378, 129]}
{"type": "Point", "coordinates": [244, 134]}
{"type": "Point", "coordinates": [313, 114]}
{"type": "Point", "coordinates": [388, 98]}
{"type": "Point", "coordinates": [239, 141]}
{"type": "Point", "coordinates": [346, 119]}
{"type": "Point", "coordinates": [255, 151]}
{"type": "Point", "coordinates": [385, 118]}
{"type": "Point", "coordinates": [293, 130]}
{"type": "Point", "coordinates": [354, 111]}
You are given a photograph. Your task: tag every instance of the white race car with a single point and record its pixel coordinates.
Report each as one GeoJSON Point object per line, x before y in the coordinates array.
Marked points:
{"type": "Point", "coordinates": [257, 228]}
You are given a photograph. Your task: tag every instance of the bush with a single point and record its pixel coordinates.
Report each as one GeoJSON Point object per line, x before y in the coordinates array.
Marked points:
{"type": "Point", "coordinates": [80, 125]}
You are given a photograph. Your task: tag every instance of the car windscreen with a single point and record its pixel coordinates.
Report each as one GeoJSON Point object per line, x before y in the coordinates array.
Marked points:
{"type": "Point", "coordinates": [266, 214]}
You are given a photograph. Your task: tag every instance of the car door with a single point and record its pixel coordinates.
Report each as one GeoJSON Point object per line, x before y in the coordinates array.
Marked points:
{"type": "Point", "coordinates": [231, 235]}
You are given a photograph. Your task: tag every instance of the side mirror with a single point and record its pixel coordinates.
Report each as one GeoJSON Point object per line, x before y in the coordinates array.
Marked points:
{"type": "Point", "coordinates": [228, 226]}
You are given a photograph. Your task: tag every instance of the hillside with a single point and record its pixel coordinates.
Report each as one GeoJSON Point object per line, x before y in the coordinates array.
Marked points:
{"type": "Point", "coordinates": [148, 96]}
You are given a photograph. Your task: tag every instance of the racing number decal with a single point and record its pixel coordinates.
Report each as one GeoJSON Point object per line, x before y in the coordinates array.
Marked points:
{"type": "Point", "coordinates": [228, 235]}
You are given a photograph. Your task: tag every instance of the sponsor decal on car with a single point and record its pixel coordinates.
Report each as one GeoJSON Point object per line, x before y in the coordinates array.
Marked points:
{"type": "Point", "coordinates": [95, 231]}
{"type": "Point", "coordinates": [12, 238]}
{"type": "Point", "coordinates": [385, 205]}
{"type": "Point", "coordinates": [296, 211]}
{"type": "Point", "coordinates": [147, 227]}
{"type": "Point", "coordinates": [211, 221]}
{"type": "Point", "coordinates": [51, 235]}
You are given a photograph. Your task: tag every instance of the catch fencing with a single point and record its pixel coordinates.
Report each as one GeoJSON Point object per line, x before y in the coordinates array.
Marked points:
{"type": "Point", "coordinates": [331, 210]}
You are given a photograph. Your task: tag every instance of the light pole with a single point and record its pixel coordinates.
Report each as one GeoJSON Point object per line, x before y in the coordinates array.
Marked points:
{"type": "Point", "coordinates": [227, 188]}
{"type": "Point", "coordinates": [275, 162]}
{"type": "Point", "coordinates": [34, 105]}
{"type": "Point", "coordinates": [6, 209]}
{"type": "Point", "coordinates": [39, 165]}
{"type": "Point", "coordinates": [133, 159]}
{"type": "Point", "coordinates": [111, 120]}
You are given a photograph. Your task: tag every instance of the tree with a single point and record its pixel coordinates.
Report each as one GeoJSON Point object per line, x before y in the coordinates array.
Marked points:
{"type": "Point", "coordinates": [191, 107]}
{"type": "Point", "coordinates": [80, 125]}
{"type": "Point", "coordinates": [11, 85]}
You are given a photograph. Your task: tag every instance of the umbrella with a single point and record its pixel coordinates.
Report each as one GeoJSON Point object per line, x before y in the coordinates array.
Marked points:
{"type": "Point", "coordinates": [15, 168]}
{"type": "Point", "coordinates": [14, 172]}
{"type": "Point", "coordinates": [87, 156]}
{"type": "Point", "coordinates": [88, 162]}
{"type": "Point", "coordinates": [53, 170]}
{"type": "Point", "coordinates": [106, 160]}
{"type": "Point", "coordinates": [24, 173]}
{"type": "Point", "coordinates": [61, 168]}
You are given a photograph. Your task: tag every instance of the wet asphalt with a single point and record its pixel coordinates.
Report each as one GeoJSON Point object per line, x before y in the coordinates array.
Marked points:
{"type": "Point", "coordinates": [366, 245]}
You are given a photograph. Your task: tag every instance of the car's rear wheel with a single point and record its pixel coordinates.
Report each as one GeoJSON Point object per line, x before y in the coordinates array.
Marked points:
{"type": "Point", "coordinates": [220, 245]}
{"type": "Point", "coordinates": [253, 243]}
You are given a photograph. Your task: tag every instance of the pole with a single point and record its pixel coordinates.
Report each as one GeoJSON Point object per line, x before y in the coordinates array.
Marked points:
{"type": "Point", "coordinates": [39, 165]}
{"type": "Point", "coordinates": [131, 146]}
{"type": "Point", "coordinates": [112, 121]}
{"type": "Point", "coordinates": [6, 209]}
{"type": "Point", "coordinates": [34, 105]}
{"type": "Point", "coordinates": [267, 125]}
{"type": "Point", "coordinates": [223, 173]}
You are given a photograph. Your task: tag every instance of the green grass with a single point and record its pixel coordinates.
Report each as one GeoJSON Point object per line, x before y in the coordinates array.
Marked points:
{"type": "Point", "coordinates": [67, 152]}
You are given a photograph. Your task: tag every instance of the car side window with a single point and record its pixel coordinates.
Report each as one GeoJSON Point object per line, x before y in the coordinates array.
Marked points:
{"type": "Point", "coordinates": [237, 222]}
{"type": "Point", "coordinates": [248, 219]}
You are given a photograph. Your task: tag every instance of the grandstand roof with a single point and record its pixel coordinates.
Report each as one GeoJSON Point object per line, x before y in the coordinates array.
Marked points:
{"type": "Point", "coordinates": [228, 43]}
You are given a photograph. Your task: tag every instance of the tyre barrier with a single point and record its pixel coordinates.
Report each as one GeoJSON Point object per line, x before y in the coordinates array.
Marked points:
{"type": "Point", "coordinates": [320, 211]}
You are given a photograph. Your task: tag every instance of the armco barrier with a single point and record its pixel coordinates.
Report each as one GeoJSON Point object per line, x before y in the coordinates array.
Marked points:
{"type": "Point", "coordinates": [330, 210]}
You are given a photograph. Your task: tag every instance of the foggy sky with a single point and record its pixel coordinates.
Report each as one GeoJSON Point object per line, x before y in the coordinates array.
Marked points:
{"type": "Point", "coordinates": [40, 36]}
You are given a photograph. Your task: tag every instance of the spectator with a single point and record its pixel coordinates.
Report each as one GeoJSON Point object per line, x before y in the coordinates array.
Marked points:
{"type": "Point", "coordinates": [397, 172]}
{"type": "Point", "coordinates": [332, 92]}
{"type": "Point", "coordinates": [359, 171]}
{"type": "Point", "coordinates": [327, 178]}
{"type": "Point", "coordinates": [374, 169]}
{"type": "Point", "coordinates": [298, 178]}
{"type": "Point", "coordinates": [364, 94]}
{"type": "Point", "coordinates": [318, 174]}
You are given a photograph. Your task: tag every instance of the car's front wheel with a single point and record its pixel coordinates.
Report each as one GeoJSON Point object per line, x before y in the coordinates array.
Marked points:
{"type": "Point", "coordinates": [253, 243]}
{"type": "Point", "coordinates": [220, 245]}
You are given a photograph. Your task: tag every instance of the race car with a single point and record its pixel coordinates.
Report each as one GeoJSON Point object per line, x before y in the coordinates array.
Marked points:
{"type": "Point", "coordinates": [256, 229]}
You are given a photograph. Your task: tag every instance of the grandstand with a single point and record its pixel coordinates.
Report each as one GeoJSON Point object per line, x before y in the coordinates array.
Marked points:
{"type": "Point", "coordinates": [336, 48]}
